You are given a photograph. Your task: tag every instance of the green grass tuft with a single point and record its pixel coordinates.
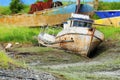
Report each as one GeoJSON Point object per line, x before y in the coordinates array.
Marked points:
{"type": "Point", "coordinates": [17, 34]}
{"type": "Point", "coordinates": [26, 35]}
{"type": "Point", "coordinates": [110, 32]}
{"type": "Point", "coordinates": [8, 63]}
{"type": "Point", "coordinates": [22, 34]}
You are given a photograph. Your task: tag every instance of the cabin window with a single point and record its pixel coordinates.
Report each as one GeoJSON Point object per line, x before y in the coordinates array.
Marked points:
{"type": "Point", "coordinates": [89, 24]}
{"type": "Point", "coordinates": [81, 24]}
{"type": "Point", "coordinates": [75, 23]}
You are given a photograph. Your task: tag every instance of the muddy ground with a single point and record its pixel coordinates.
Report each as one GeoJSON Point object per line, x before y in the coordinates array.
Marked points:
{"type": "Point", "coordinates": [105, 64]}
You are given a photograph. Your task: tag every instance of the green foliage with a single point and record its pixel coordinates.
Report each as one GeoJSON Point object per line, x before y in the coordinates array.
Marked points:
{"type": "Point", "coordinates": [13, 34]}
{"type": "Point", "coordinates": [45, 0]}
{"type": "Point", "coordinates": [42, 0]}
{"type": "Point", "coordinates": [6, 62]}
{"type": "Point", "coordinates": [16, 6]}
{"type": "Point", "coordinates": [4, 10]}
{"type": "Point", "coordinates": [26, 9]}
{"type": "Point", "coordinates": [109, 5]}
{"type": "Point", "coordinates": [87, 70]}
{"type": "Point", "coordinates": [95, 16]}
{"type": "Point", "coordinates": [110, 32]}
{"type": "Point", "coordinates": [22, 34]}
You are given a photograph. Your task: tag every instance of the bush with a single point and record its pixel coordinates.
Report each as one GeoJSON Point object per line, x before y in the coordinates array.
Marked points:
{"type": "Point", "coordinates": [109, 5]}
{"type": "Point", "coordinates": [16, 6]}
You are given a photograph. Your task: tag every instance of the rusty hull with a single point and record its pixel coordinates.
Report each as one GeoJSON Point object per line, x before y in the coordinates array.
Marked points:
{"type": "Point", "coordinates": [80, 41]}
{"type": "Point", "coordinates": [82, 44]}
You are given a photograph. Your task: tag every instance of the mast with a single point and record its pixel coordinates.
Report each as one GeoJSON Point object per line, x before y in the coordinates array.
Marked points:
{"type": "Point", "coordinates": [77, 6]}
{"type": "Point", "coordinates": [96, 2]}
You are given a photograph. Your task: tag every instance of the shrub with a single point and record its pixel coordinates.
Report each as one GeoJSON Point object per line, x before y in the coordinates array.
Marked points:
{"type": "Point", "coordinates": [109, 5]}
{"type": "Point", "coordinates": [16, 6]}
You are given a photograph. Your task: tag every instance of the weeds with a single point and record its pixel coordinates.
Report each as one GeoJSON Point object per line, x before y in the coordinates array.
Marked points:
{"type": "Point", "coordinates": [17, 34]}
{"type": "Point", "coordinates": [109, 5]}
{"type": "Point", "coordinates": [22, 34]}
{"type": "Point", "coordinates": [88, 71]}
{"type": "Point", "coordinates": [8, 63]}
{"type": "Point", "coordinates": [110, 32]}
{"type": "Point", "coordinates": [25, 34]}
{"type": "Point", "coordinates": [5, 10]}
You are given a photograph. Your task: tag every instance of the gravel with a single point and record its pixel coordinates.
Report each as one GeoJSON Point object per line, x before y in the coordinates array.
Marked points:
{"type": "Point", "coordinates": [24, 74]}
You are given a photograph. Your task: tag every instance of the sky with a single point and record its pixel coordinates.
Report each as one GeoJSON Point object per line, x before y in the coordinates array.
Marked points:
{"type": "Point", "coordinates": [6, 2]}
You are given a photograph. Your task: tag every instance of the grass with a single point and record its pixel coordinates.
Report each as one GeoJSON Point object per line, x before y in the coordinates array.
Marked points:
{"type": "Point", "coordinates": [34, 50]}
{"type": "Point", "coordinates": [84, 71]}
{"type": "Point", "coordinates": [26, 9]}
{"type": "Point", "coordinates": [110, 32]}
{"type": "Point", "coordinates": [17, 34]}
{"type": "Point", "coordinates": [108, 5]}
{"type": "Point", "coordinates": [4, 10]}
{"type": "Point", "coordinates": [26, 35]}
{"type": "Point", "coordinates": [7, 63]}
{"type": "Point", "coordinates": [107, 61]}
{"type": "Point", "coordinates": [88, 70]}
{"type": "Point", "coordinates": [22, 34]}
{"type": "Point", "coordinates": [81, 72]}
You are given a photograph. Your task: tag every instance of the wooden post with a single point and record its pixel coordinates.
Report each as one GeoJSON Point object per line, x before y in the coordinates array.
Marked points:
{"type": "Point", "coordinates": [96, 2]}
{"type": "Point", "coordinates": [77, 6]}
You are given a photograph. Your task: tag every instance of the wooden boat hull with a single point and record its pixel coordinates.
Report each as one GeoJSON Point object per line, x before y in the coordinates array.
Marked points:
{"type": "Point", "coordinates": [78, 40]}
{"type": "Point", "coordinates": [113, 21]}
{"type": "Point", "coordinates": [83, 43]}
{"type": "Point", "coordinates": [51, 17]}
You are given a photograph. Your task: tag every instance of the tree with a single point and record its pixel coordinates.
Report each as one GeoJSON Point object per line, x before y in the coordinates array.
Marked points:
{"type": "Point", "coordinates": [45, 0]}
{"type": "Point", "coordinates": [41, 0]}
{"type": "Point", "coordinates": [16, 6]}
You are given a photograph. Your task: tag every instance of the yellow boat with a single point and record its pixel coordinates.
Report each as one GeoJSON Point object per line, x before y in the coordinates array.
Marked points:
{"type": "Point", "coordinates": [113, 21]}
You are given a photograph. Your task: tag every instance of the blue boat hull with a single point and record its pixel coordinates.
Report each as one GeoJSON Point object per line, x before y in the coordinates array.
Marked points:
{"type": "Point", "coordinates": [108, 14]}
{"type": "Point", "coordinates": [85, 8]}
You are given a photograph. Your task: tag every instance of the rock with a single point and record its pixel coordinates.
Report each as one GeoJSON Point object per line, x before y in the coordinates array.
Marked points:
{"type": "Point", "coordinates": [24, 74]}
{"type": "Point", "coordinates": [9, 45]}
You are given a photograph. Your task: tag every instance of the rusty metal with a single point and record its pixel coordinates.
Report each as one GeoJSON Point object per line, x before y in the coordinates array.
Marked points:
{"type": "Point", "coordinates": [78, 43]}
{"type": "Point", "coordinates": [92, 35]}
{"type": "Point", "coordinates": [62, 41]}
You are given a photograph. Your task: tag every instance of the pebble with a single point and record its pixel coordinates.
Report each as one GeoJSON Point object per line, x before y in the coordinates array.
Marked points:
{"type": "Point", "coordinates": [24, 74]}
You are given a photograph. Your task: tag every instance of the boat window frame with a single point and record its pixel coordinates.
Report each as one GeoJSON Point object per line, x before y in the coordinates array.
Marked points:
{"type": "Point", "coordinates": [88, 23]}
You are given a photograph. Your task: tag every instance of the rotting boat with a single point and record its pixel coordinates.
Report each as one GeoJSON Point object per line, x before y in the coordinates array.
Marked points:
{"type": "Point", "coordinates": [44, 14]}
{"type": "Point", "coordinates": [77, 36]}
